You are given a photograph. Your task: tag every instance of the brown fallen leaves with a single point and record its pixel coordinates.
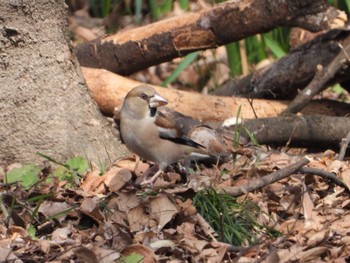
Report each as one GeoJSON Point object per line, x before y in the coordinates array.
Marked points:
{"type": "Point", "coordinates": [109, 217]}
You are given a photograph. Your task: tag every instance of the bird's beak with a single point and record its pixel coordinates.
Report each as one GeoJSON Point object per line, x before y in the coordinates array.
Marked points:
{"type": "Point", "coordinates": [157, 101]}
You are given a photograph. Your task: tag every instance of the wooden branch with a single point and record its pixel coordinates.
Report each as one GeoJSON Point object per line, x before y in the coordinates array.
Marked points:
{"type": "Point", "coordinates": [109, 89]}
{"type": "Point", "coordinates": [302, 130]}
{"type": "Point", "coordinates": [325, 175]}
{"type": "Point", "coordinates": [321, 78]}
{"type": "Point", "coordinates": [140, 48]}
{"type": "Point", "coordinates": [344, 144]}
{"type": "Point", "coordinates": [264, 180]}
{"type": "Point", "coordinates": [284, 77]}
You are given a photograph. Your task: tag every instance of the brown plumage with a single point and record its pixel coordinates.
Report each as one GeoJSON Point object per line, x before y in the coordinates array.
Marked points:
{"type": "Point", "coordinates": [151, 135]}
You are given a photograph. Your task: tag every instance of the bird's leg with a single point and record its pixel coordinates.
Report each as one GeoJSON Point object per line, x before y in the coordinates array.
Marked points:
{"type": "Point", "coordinates": [138, 160]}
{"type": "Point", "coordinates": [182, 170]}
{"type": "Point", "coordinates": [152, 179]}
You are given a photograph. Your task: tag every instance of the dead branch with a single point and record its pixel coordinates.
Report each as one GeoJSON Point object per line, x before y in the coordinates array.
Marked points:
{"type": "Point", "coordinates": [140, 48]}
{"type": "Point", "coordinates": [321, 78]}
{"type": "Point", "coordinates": [343, 146]}
{"type": "Point", "coordinates": [325, 175]}
{"type": "Point", "coordinates": [265, 180]}
{"type": "Point", "coordinates": [310, 130]}
{"type": "Point", "coordinates": [109, 89]}
{"type": "Point", "coordinates": [284, 77]}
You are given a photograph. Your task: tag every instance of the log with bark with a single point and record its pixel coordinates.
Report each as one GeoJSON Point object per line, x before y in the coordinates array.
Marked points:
{"type": "Point", "coordinates": [314, 130]}
{"type": "Point", "coordinates": [323, 75]}
{"type": "Point", "coordinates": [108, 90]}
{"type": "Point", "coordinates": [284, 77]}
{"type": "Point", "coordinates": [140, 48]}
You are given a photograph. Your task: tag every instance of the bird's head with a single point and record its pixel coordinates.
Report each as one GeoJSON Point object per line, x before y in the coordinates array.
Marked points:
{"type": "Point", "coordinates": [143, 99]}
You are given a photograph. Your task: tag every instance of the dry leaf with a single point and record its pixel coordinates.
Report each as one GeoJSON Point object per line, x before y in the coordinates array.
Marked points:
{"type": "Point", "coordinates": [312, 254]}
{"type": "Point", "coordinates": [90, 207]}
{"type": "Point", "coordinates": [84, 254]}
{"type": "Point", "coordinates": [44, 246]}
{"type": "Point", "coordinates": [115, 180]}
{"type": "Point", "coordinates": [105, 255]}
{"type": "Point", "coordinates": [148, 254]}
{"type": "Point", "coordinates": [127, 163]}
{"type": "Point", "coordinates": [345, 175]}
{"type": "Point", "coordinates": [162, 209]}
{"type": "Point", "coordinates": [162, 243]}
{"type": "Point", "coordinates": [335, 167]}
{"type": "Point", "coordinates": [126, 201]}
{"type": "Point", "coordinates": [6, 254]}
{"type": "Point", "coordinates": [89, 180]}
{"type": "Point", "coordinates": [50, 208]}
{"type": "Point", "coordinates": [310, 215]}
{"type": "Point", "coordinates": [61, 234]}
{"type": "Point", "coordinates": [318, 238]}
{"type": "Point", "coordinates": [138, 219]}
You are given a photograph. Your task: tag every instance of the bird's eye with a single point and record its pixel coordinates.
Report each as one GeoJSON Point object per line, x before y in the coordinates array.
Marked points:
{"type": "Point", "coordinates": [143, 96]}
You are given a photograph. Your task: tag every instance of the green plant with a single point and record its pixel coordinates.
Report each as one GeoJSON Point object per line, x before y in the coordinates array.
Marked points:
{"type": "Point", "coordinates": [234, 58]}
{"type": "Point", "coordinates": [187, 60]}
{"type": "Point", "coordinates": [234, 222]}
{"type": "Point", "coordinates": [184, 4]}
{"type": "Point", "coordinates": [69, 171]}
{"type": "Point", "coordinates": [31, 231]}
{"type": "Point", "coordinates": [277, 41]}
{"type": "Point", "coordinates": [138, 11]}
{"type": "Point", "coordinates": [132, 258]}
{"type": "Point", "coordinates": [341, 4]}
{"type": "Point", "coordinates": [27, 175]}
{"type": "Point", "coordinates": [101, 8]}
{"type": "Point", "coordinates": [159, 9]}
{"type": "Point", "coordinates": [237, 130]}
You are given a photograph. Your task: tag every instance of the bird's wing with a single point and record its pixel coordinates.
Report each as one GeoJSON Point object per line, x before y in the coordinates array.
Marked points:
{"type": "Point", "coordinates": [168, 131]}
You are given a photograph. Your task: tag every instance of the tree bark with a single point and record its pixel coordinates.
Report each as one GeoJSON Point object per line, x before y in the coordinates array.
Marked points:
{"type": "Point", "coordinates": [109, 89]}
{"type": "Point", "coordinates": [315, 130]}
{"type": "Point", "coordinates": [318, 84]}
{"type": "Point", "coordinates": [45, 105]}
{"type": "Point", "coordinates": [284, 77]}
{"type": "Point", "coordinates": [137, 49]}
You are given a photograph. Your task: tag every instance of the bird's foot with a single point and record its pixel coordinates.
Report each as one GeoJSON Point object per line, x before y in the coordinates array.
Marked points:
{"type": "Point", "coordinates": [152, 179]}
{"type": "Point", "coordinates": [147, 182]}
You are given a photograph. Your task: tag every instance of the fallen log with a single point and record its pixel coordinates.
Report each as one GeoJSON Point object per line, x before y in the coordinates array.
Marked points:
{"type": "Point", "coordinates": [140, 48]}
{"type": "Point", "coordinates": [312, 130]}
{"type": "Point", "coordinates": [284, 77]}
{"type": "Point", "coordinates": [109, 89]}
{"type": "Point", "coordinates": [323, 75]}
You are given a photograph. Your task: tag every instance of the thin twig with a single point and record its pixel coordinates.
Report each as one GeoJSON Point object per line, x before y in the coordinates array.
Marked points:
{"type": "Point", "coordinates": [265, 180]}
{"type": "Point", "coordinates": [343, 146]}
{"type": "Point", "coordinates": [318, 83]}
{"type": "Point", "coordinates": [324, 175]}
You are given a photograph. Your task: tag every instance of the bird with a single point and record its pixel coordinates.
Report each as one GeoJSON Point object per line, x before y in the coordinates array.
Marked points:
{"type": "Point", "coordinates": [150, 134]}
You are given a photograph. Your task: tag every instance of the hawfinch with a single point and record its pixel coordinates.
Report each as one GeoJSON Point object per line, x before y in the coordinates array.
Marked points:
{"type": "Point", "coordinates": [149, 134]}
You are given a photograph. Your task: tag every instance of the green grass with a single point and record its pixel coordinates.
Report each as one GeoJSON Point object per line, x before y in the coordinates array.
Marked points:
{"type": "Point", "coordinates": [101, 8]}
{"type": "Point", "coordinates": [186, 61]}
{"type": "Point", "coordinates": [235, 222]}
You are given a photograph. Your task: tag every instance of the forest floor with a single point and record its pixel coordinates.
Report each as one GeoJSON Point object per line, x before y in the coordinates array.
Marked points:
{"type": "Point", "coordinates": [97, 216]}
{"type": "Point", "coordinates": [82, 212]}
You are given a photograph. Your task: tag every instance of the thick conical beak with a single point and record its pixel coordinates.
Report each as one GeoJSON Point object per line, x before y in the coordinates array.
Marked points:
{"type": "Point", "coordinates": [157, 101]}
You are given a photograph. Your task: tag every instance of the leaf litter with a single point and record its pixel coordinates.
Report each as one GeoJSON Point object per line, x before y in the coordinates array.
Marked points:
{"type": "Point", "coordinates": [108, 217]}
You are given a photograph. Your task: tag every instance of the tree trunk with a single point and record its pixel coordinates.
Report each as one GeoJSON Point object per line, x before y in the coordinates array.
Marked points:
{"type": "Point", "coordinates": [45, 105]}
